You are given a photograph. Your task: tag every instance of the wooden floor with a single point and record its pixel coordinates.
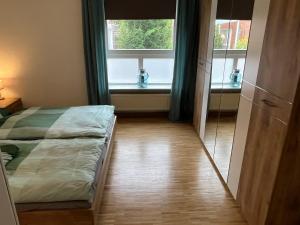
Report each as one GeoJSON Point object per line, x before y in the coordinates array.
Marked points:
{"type": "Point", "coordinates": [219, 134]}
{"type": "Point", "coordinates": [160, 174]}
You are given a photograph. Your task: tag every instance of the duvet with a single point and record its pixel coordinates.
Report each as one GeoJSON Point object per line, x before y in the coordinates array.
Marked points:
{"type": "Point", "coordinates": [73, 122]}
{"type": "Point", "coordinates": [54, 170]}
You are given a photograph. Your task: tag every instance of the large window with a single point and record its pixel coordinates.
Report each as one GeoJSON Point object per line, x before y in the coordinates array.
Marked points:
{"type": "Point", "coordinates": [137, 44]}
{"type": "Point", "coordinates": [230, 49]}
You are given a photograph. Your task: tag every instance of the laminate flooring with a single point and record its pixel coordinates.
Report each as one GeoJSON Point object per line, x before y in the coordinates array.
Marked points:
{"type": "Point", "coordinates": [160, 174]}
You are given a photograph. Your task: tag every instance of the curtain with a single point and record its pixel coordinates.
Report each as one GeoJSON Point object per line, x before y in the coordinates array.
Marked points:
{"type": "Point", "coordinates": [186, 57]}
{"type": "Point", "coordinates": [95, 51]}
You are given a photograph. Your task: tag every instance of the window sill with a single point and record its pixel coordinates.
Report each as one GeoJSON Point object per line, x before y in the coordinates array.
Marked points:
{"type": "Point", "coordinates": [135, 89]}
{"type": "Point", "coordinates": [225, 88]}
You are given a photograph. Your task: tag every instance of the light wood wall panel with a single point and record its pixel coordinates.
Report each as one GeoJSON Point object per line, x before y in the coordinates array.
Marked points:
{"type": "Point", "coordinates": [279, 71]}
{"type": "Point", "coordinates": [285, 203]}
{"type": "Point", "coordinates": [265, 141]}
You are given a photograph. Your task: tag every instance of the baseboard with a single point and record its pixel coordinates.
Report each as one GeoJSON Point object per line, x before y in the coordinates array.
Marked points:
{"type": "Point", "coordinates": [141, 114]}
{"type": "Point", "coordinates": [228, 113]}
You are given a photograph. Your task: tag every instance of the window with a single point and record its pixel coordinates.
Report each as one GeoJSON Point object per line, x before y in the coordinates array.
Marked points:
{"type": "Point", "coordinates": [137, 44]}
{"type": "Point", "coordinates": [230, 49]}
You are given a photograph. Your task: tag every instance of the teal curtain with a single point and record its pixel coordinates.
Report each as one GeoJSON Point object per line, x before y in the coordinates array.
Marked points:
{"type": "Point", "coordinates": [186, 57]}
{"type": "Point", "coordinates": [95, 51]}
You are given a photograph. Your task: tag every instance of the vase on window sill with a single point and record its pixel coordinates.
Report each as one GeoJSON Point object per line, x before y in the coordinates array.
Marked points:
{"type": "Point", "coordinates": [143, 78]}
{"type": "Point", "coordinates": [235, 78]}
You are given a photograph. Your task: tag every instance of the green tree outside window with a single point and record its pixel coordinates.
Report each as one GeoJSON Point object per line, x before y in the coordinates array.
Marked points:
{"type": "Point", "coordinates": [242, 43]}
{"type": "Point", "coordinates": [144, 34]}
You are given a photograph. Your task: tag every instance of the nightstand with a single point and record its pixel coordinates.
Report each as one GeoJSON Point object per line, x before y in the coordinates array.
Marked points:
{"type": "Point", "coordinates": [11, 105]}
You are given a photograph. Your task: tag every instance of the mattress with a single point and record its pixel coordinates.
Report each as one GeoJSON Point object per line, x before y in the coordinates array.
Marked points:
{"type": "Point", "coordinates": [73, 204]}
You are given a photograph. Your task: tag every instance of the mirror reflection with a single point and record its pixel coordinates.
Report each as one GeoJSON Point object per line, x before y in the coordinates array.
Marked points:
{"type": "Point", "coordinates": [229, 55]}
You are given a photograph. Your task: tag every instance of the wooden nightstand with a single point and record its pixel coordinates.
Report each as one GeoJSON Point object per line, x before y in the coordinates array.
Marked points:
{"type": "Point", "coordinates": [11, 105]}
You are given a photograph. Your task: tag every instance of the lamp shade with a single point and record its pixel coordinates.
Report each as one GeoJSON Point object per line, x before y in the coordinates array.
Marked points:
{"type": "Point", "coordinates": [1, 85]}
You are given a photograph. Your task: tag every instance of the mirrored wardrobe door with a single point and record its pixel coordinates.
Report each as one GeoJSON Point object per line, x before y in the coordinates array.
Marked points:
{"type": "Point", "coordinates": [231, 87]}
{"type": "Point", "coordinates": [211, 123]}
{"type": "Point", "coordinates": [221, 41]}
{"type": "Point", "coordinates": [213, 107]}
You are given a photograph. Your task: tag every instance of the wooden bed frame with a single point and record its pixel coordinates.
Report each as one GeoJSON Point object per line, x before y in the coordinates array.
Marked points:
{"type": "Point", "coordinates": [73, 216]}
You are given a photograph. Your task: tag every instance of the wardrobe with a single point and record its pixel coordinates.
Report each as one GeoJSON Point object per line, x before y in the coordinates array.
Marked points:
{"type": "Point", "coordinates": [224, 31]}
{"type": "Point", "coordinates": [264, 170]}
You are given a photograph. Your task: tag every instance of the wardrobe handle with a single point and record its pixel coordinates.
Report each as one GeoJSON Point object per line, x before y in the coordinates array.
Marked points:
{"type": "Point", "coordinates": [269, 103]}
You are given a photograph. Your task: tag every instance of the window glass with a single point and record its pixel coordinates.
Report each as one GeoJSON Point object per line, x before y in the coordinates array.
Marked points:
{"type": "Point", "coordinates": [122, 70]}
{"type": "Point", "coordinates": [222, 34]}
{"type": "Point", "coordinates": [140, 34]}
{"type": "Point", "coordinates": [218, 74]}
{"type": "Point", "coordinates": [230, 48]}
{"type": "Point", "coordinates": [140, 44]}
{"type": "Point", "coordinates": [232, 34]}
{"type": "Point", "coordinates": [241, 65]}
{"type": "Point", "coordinates": [159, 70]}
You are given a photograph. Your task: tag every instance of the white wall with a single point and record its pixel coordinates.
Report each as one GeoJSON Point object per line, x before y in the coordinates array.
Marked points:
{"type": "Point", "coordinates": [161, 102]}
{"type": "Point", "coordinates": [141, 102]}
{"type": "Point", "coordinates": [41, 51]}
{"type": "Point", "coordinates": [42, 56]}
{"type": "Point", "coordinates": [224, 101]}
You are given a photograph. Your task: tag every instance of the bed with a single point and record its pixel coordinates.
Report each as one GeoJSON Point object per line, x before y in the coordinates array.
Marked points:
{"type": "Point", "coordinates": [58, 174]}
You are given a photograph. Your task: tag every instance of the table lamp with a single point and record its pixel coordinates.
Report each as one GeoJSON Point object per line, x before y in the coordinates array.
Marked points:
{"type": "Point", "coordinates": [1, 88]}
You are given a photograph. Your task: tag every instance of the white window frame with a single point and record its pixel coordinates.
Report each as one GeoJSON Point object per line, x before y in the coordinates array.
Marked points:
{"type": "Point", "coordinates": [234, 54]}
{"type": "Point", "coordinates": [140, 55]}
